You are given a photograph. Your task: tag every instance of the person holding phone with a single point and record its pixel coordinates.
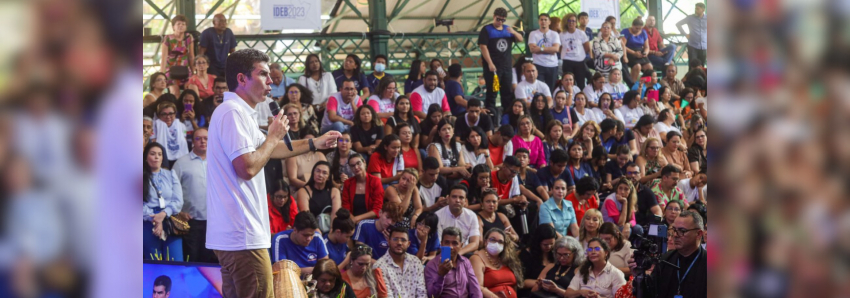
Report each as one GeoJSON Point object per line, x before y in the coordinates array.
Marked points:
{"type": "Point", "coordinates": [555, 278]}
{"type": "Point", "coordinates": [453, 276]}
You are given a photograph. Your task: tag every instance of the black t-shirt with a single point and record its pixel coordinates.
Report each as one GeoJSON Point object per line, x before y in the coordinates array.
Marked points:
{"type": "Point", "coordinates": [645, 201]}
{"type": "Point", "coordinates": [612, 168]}
{"type": "Point", "coordinates": [694, 284]}
{"type": "Point", "coordinates": [499, 44]}
{"type": "Point", "coordinates": [462, 129]}
{"type": "Point", "coordinates": [366, 138]}
{"type": "Point", "coordinates": [531, 182]}
{"type": "Point", "coordinates": [393, 120]}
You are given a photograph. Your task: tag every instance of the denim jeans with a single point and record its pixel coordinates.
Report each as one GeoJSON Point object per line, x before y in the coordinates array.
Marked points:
{"type": "Point", "coordinates": [660, 61]}
{"type": "Point", "coordinates": [548, 75]}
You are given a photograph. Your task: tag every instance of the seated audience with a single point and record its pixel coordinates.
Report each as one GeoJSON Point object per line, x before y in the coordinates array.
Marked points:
{"type": "Point", "coordinates": [320, 82]}
{"type": "Point", "coordinates": [631, 109]}
{"type": "Point", "coordinates": [500, 144]}
{"type": "Point", "coordinates": [282, 208]}
{"type": "Point", "coordinates": [383, 101]}
{"type": "Point", "coordinates": [318, 195]}
{"type": "Point", "coordinates": [299, 169]}
{"type": "Point", "coordinates": [403, 113]}
{"type": "Point", "coordinates": [537, 256]}
{"type": "Point", "coordinates": [473, 117]}
{"type": "Point", "coordinates": [665, 188]}
{"type": "Point", "coordinates": [406, 195]}
{"type": "Point", "coordinates": [582, 109]}
{"type": "Point", "coordinates": [351, 71]}
{"type": "Point", "coordinates": [163, 198]}
{"type": "Point", "coordinates": [455, 215]}
{"type": "Point", "coordinates": [577, 167]}
{"type": "Point", "coordinates": [424, 240]}
{"type": "Point", "coordinates": [429, 94]}
{"type": "Point", "coordinates": [556, 278]}
{"type": "Point", "coordinates": [675, 154]}
{"type": "Point", "coordinates": [403, 273]}
{"type": "Point", "coordinates": [645, 130]}
{"type": "Point", "coordinates": [367, 132]}
{"type": "Point", "coordinates": [526, 89]}
{"type": "Point", "coordinates": [202, 82]}
{"type": "Point", "coordinates": [342, 228]}
{"type": "Point", "coordinates": [362, 194]}
{"type": "Point", "coordinates": [169, 132]}
{"type": "Point", "coordinates": [365, 281]}
{"type": "Point", "coordinates": [415, 77]}
{"type": "Point", "coordinates": [156, 88]}
{"type": "Point", "coordinates": [672, 211]}
{"type": "Point", "coordinates": [302, 245]}
{"type": "Point", "coordinates": [433, 188]}
{"type": "Point", "coordinates": [621, 248]}
{"type": "Point", "coordinates": [693, 189]}
{"type": "Point", "coordinates": [620, 207]}
{"type": "Point", "coordinates": [589, 227]}
{"type": "Point", "coordinates": [429, 127]}
{"type": "Point", "coordinates": [540, 114]}
{"type": "Point", "coordinates": [525, 139]}
{"type": "Point", "coordinates": [329, 282]}
{"type": "Point", "coordinates": [594, 90]}
{"type": "Point", "coordinates": [698, 152]}
{"type": "Point", "coordinates": [564, 113]}
{"type": "Point", "coordinates": [596, 277]}
{"type": "Point", "coordinates": [497, 266]}
{"type": "Point", "coordinates": [559, 213]}
{"type": "Point", "coordinates": [387, 162]}
{"type": "Point", "coordinates": [584, 198]}
{"type": "Point", "coordinates": [379, 65]}
{"type": "Point", "coordinates": [341, 170]}
{"type": "Point", "coordinates": [444, 147]}
{"type": "Point", "coordinates": [489, 218]}
{"type": "Point", "coordinates": [475, 148]}
{"type": "Point", "coordinates": [453, 277]}
{"type": "Point", "coordinates": [375, 232]}
{"type": "Point", "coordinates": [339, 114]}
{"type": "Point", "coordinates": [302, 98]}
{"type": "Point", "coordinates": [554, 139]}
{"type": "Point", "coordinates": [409, 152]}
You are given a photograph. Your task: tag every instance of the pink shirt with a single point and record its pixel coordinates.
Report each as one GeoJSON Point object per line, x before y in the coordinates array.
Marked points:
{"type": "Point", "coordinates": [613, 209]}
{"type": "Point", "coordinates": [421, 99]}
{"type": "Point", "coordinates": [335, 103]}
{"type": "Point", "coordinates": [536, 156]}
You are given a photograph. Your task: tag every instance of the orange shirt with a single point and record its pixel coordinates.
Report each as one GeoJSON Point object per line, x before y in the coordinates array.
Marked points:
{"type": "Point", "coordinates": [592, 203]}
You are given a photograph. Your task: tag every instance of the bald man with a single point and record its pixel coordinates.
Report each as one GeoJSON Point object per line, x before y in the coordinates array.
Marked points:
{"type": "Point", "coordinates": [279, 83]}
{"type": "Point", "coordinates": [217, 42]}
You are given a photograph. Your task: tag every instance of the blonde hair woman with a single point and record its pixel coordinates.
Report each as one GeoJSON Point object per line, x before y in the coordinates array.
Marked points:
{"type": "Point", "coordinates": [589, 227]}
{"type": "Point", "coordinates": [651, 160]}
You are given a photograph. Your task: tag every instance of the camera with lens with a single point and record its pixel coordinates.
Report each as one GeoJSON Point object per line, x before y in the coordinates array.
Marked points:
{"type": "Point", "coordinates": [649, 247]}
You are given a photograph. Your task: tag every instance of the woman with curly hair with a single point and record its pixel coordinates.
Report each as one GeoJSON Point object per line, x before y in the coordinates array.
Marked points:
{"type": "Point", "coordinates": [497, 266]}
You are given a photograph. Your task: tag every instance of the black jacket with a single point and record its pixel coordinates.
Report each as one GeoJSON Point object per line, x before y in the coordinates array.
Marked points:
{"type": "Point", "coordinates": [664, 282]}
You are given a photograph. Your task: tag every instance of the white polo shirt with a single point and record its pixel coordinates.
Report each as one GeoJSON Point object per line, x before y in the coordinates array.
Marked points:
{"type": "Point", "coordinates": [237, 209]}
{"type": "Point", "coordinates": [527, 90]}
{"type": "Point", "coordinates": [467, 222]}
{"type": "Point", "coordinates": [691, 193]}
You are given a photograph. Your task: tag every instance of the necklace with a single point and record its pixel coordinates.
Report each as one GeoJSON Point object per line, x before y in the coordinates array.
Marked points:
{"type": "Point", "coordinates": [490, 258]}
{"type": "Point", "coordinates": [558, 274]}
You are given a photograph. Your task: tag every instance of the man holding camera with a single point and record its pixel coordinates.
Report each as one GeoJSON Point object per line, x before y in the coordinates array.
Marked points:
{"type": "Point", "coordinates": [691, 279]}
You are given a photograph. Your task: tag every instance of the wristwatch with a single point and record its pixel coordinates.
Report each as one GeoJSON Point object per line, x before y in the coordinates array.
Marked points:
{"type": "Point", "coordinates": [312, 146]}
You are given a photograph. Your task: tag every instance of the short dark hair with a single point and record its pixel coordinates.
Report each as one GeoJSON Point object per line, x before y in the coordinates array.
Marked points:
{"type": "Point", "coordinates": [638, 21]}
{"type": "Point", "coordinates": [559, 156]}
{"type": "Point", "coordinates": [663, 115]}
{"type": "Point", "coordinates": [669, 169]}
{"type": "Point", "coordinates": [700, 4]}
{"type": "Point", "coordinates": [242, 62]}
{"type": "Point", "coordinates": [163, 280]}
{"type": "Point", "coordinates": [673, 133]}
{"type": "Point", "coordinates": [398, 229]}
{"type": "Point", "coordinates": [178, 18]}
{"type": "Point", "coordinates": [455, 70]}
{"type": "Point", "coordinates": [343, 221]}
{"type": "Point", "coordinates": [512, 161]}
{"type": "Point", "coordinates": [543, 15]}
{"type": "Point", "coordinates": [220, 79]}
{"type": "Point", "coordinates": [305, 220]}
{"type": "Point", "coordinates": [350, 80]}
{"type": "Point", "coordinates": [375, 59]}
{"type": "Point", "coordinates": [644, 121]}
{"type": "Point", "coordinates": [501, 12]}
{"type": "Point", "coordinates": [647, 73]}
{"type": "Point", "coordinates": [607, 124]}
{"type": "Point", "coordinates": [586, 184]}
{"type": "Point", "coordinates": [506, 131]}
{"type": "Point", "coordinates": [452, 231]}
{"type": "Point", "coordinates": [459, 186]}
{"type": "Point", "coordinates": [629, 97]}
{"type": "Point", "coordinates": [430, 163]}
{"type": "Point", "coordinates": [473, 103]}
{"type": "Point", "coordinates": [522, 150]}
{"type": "Point", "coordinates": [631, 164]}
{"type": "Point", "coordinates": [431, 73]}
{"type": "Point", "coordinates": [582, 14]}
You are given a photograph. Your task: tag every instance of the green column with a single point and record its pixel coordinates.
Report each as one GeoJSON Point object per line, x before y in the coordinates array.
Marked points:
{"type": "Point", "coordinates": [530, 12]}
{"type": "Point", "coordinates": [187, 8]}
{"type": "Point", "coordinates": [378, 34]}
{"type": "Point", "coordinates": [654, 7]}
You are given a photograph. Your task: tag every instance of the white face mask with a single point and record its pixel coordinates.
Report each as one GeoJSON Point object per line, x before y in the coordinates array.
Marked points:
{"type": "Point", "coordinates": [494, 248]}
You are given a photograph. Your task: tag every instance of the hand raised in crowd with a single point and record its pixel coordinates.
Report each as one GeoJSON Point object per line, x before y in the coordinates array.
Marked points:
{"type": "Point", "coordinates": [189, 115]}
{"type": "Point", "coordinates": [343, 176]}
{"type": "Point", "coordinates": [422, 232]}
{"type": "Point", "coordinates": [327, 140]}
{"type": "Point", "coordinates": [445, 267]}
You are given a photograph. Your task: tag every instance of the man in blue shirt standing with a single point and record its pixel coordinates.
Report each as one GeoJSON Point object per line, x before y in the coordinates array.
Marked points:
{"type": "Point", "coordinates": [698, 38]}
{"type": "Point", "coordinates": [302, 245]}
{"type": "Point", "coordinates": [219, 42]}
{"type": "Point", "coordinates": [376, 232]}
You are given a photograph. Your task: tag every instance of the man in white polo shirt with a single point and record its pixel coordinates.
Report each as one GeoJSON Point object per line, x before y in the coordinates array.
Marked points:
{"type": "Point", "coordinates": [545, 45]}
{"type": "Point", "coordinates": [526, 89]}
{"type": "Point", "coordinates": [237, 208]}
{"type": "Point", "coordinates": [427, 94]}
{"type": "Point", "coordinates": [455, 215]}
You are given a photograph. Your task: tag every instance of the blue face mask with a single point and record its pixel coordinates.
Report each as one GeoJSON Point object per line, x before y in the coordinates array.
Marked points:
{"type": "Point", "coordinates": [380, 67]}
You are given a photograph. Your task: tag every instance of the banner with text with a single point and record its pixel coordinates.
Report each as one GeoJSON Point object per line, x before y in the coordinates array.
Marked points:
{"type": "Point", "coordinates": [598, 10]}
{"type": "Point", "coordinates": [291, 14]}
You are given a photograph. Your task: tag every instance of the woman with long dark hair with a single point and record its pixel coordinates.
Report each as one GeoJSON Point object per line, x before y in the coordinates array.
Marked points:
{"type": "Point", "coordinates": [329, 282]}
{"type": "Point", "coordinates": [554, 139]}
{"type": "Point", "coordinates": [537, 256]}
{"type": "Point", "coordinates": [477, 183]}
{"type": "Point", "coordinates": [383, 98]}
{"type": "Point", "coordinates": [364, 280]}
{"type": "Point", "coordinates": [412, 156]}
{"type": "Point", "coordinates": [415, 76]}
{"type": "Point", "coordinates": [406, 195]}
{"type": "Point", "coordinates": [297, 168]}
{"type": "Point", "coordinates": [621, 248]}
{"type": "Point", "coordinates": [302, 97]}
{"type": "Point", "coordinates": [511, 117]}
{"type": "Point", "coordinates": [338, 158]}
{"type": "Point", "coordinates": [387, 162]}
{"type": "Point", "coordinates": [282, 209]}
{"type": "Point", "coordinates": [424, 241]}
{"type": "Point", "coordinates": [319, 196]}
{"type": "Point", "coordinates": [404, 113]}
{"type": "Point", "coordinates": [317, 80]}
{"type": "Point", "coordinates": [697, 156]}
{"type": "Point", "coordinates": [445, 148]}
{"type": "Point", "coordinates": [429, 126]}
{"type": "Point", "coordinates": [620, 207]}
{"type": "Point", "coordinates": [163, 197]}
{"type": "Point", "coordinates": [525, 139]}
{"type": "Point", "coordinates": [497, 267]}
{"type": "Point", "coordinates": [367, 131]}
{"type": "Point", "coordinates": [351, 70]}
{"type": "Point", "coordinates": [475, 149]}
{"type": "Point", "coordinates": [186, 112]}
{"type": "Point", "coordinates": [489, 217]}
{"type": "Point", "coordinates": [540, 114]}
{"type": "Point", "coordinates": [362, 194]}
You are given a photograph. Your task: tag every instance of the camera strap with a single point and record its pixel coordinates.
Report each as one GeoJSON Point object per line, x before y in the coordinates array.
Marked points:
{"type": "Point", "coordinates": [682, 278]}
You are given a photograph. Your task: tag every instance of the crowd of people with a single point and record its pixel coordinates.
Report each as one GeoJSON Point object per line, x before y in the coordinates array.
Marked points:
{"type": "Point", "coordinates": [536, 198]}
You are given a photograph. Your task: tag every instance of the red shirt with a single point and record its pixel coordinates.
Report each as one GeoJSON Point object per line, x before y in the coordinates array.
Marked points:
{"type": "Point", "coordinates": [410, 159]}
{"type": "Point", "coordinates": [592, 203]}
{"type": "Point", "coordinates": [276, 219]}
{"type": "Point", "coordinates": [377, 164]}
{"type": "Point", "coordinates": [503, 190]}
{"type": "Point", "coordinates": [496, 153]}
{"type": "Point", "coordinates": [654, 38]}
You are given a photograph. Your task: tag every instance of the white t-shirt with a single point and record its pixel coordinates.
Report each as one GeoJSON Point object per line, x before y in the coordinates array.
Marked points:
{"type": "Point", "coordinates": [582, 118]}
{"type": "Point", "coordinates": [572, 45]}
{"type": "Point", "coordinates": [616, 90]}
{"type": "Point", "coordinates": [662, 127]}
{"type": "Point", "coordinates": [631, 116]}
{"type": "Point", "coordinates": [691, 194]}
{"type": "Point", "coordinates": [382, 105]}
{"type": "Point", "coordinates": [467, 222]}
{"type": "Point", "coordinates": [322, 89]}
{"type": "Point", "coordinates": [237, 209]}
{"type": "Point", "coordinates": [527, 90]}
{"type": "Point", "coordinates": [421, 99]}
{"type": "Point", "coordinates": [430, 195]}
{"type": "Point", "coordinates": [173, 138]}
{"type": "Point", "coordinates": [470, 157]}
{"type": "Point", "coordinates": [264, 112]}
{"type": "Point", "coordinates": [576, 90]}
{"type": "Point", "coordinates": [549, 39]}
{"type": "Point", "coordinates": [598, 115]}
{"type": "Point", "coordinates": [593, 95]}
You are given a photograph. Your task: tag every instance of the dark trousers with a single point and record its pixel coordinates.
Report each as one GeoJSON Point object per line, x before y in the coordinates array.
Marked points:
{"type": "Point", "coordinates": [548, 75]}
{"type": "Point", "coordinates": [697, 53]}
{"type": "Point", "coordinates": [579, 70]}
{"type": "Point", "coordinates": [194, 243]}
{"type": "Point", "coordinates": [507, 95]}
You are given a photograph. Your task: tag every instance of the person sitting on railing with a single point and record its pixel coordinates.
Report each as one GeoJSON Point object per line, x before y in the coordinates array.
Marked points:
{"type": "Point", "coordinates": [351, 71]}
{"type": "Point", "coordinates": [659, 54]}
{"type": "Point", "coordinates": [379, 65]}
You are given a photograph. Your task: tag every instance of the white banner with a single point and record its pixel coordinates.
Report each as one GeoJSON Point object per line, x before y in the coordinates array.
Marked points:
{"type": "Point", "coordinates": [598, 10]}
{"type": "Point", "coordinates": [291, 14]}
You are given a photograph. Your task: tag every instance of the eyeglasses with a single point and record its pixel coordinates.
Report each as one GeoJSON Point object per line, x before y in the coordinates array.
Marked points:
{"type": "Point", "coordinates": [399, 240]}
{"type": "Point", "coordinates": [591, 249]}
{"type": "Point", "coordinates": [364, 250]}
{"type": "Point", "coordinates": [501, 20]}
{"type": "Point", "coordinates": [654, 147]}
{"type": "Point", "coordinates": [168, 114]}
{"type": "Point", "coordinates": [632, 172]}
{"type": "Point", "coordinates": [560, 255]}
{"type": "Point", "coordinates": [571, 21]}
{"type": "Point", "coordinates": [675, 209]}
{"type": "Point", "coordinates": [682, 232]}
{"type": "Point", "coordinates": [494, 240]}
{"type": "Point", "coordinates": [513, 172]}
{"type": "Point", "coordinates": [293, 114]}
{"type": "Point", "coordinates": [355, 164]}
{"type": "Point", "coordinates": [201, 138]}
{"type": "Point", "coordinates": [341, 140]}
{"type": "Point", "coordinates": [293, 92]}
{"type": "Point", "coordinates": [485, 178]}
{"type": "Point", "coordinates": [700, 136]}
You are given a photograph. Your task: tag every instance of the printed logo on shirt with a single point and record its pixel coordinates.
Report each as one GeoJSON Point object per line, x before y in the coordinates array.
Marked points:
{"type": "Point", "coordinates": [374, 136]}
{"type": "Point", "coordinates": [502, 45]}
{"type": "Point", "coordinates": [311, 257]}
{"type": "Point", "coordinates": [384, 244]}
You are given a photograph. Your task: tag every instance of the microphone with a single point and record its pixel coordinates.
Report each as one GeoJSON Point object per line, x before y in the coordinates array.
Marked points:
{"type": "Point", "coordinates": [275, 110]}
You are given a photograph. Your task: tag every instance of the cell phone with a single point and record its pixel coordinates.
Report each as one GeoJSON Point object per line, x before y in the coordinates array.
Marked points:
{"type": "Point", "coordinates": [187, 107]}
{"type": "Point", "coordinates": [445, 253]}
{"type": "Point", "coordinates": [646, 79]}
{"type": "Point", "coordinates": [549, 281]}
{"type": "Point", "coordinates": [652, 95]}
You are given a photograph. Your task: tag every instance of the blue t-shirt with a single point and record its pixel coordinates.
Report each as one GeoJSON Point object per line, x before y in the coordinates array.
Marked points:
{"type": "Point", "coordinates": [634, 41]}
{"type": "Point", "coordinates": [584, 170]}
{"type": "Point", "coordinates": [613, 143]}
{"type": "Point", "coordinates": [657, 86]}
{"type": "Point", "coordinates": [453, 88]}
{"type": "Point", "coordinates": [280, 90]}
{"type": "Point", "coordinates": [336, 252]}
{"type": "Point", "coordinates": [546, 178]}
{"type": "Point", "coordinates": [432, 245]}
{"type": "Point", "coordinates": [410, 85]}
{"type": "Point", "coordinates": [367, 233]}
{"type": "Point", "coordinates": [359, 83]}
{"type": "Point", "coordinates": [284, 249]}
{"type": "Point", "coordinates": [564, 117]}
{"type": "Point", "coordinates": [218, 46]}
{"type": "Point", "coordinates": [373, 81]}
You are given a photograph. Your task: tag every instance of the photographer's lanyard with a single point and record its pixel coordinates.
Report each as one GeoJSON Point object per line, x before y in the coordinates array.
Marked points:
{"type": "Point", "coordinates": [679, 290]}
